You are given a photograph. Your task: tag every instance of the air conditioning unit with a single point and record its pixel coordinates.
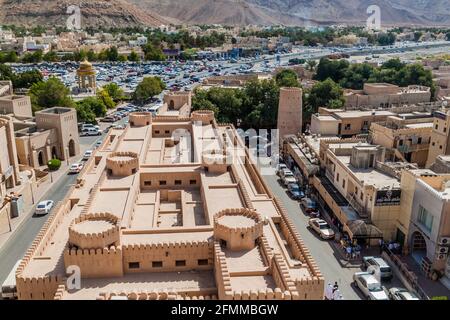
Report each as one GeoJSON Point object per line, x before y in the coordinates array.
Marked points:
{"type": "Point", "coordinates": [442, 250]}
{"type": "Point", "coordinates": [444, 241]}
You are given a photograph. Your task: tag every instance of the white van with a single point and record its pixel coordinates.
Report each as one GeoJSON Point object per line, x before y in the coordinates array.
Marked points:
{"type": "Point", "coordinates": [9, 289]}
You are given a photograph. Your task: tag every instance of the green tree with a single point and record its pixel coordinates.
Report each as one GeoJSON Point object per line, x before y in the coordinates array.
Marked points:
{"type": "Point", "coordinates": [91, 55]}
{"type": "Point", "coordinates": [334, 69]}
{"type": "Point", "coordinates": [114, 91]}
{"type": "Point", "coordinates": [105, 98]}
{"type": "Point", "coordinates": [311, 64]}
{"type": "Point", "coordinates": [134, 56]}
{"type": "Point", "coordinates": [85, 113]}
{"type": "Point", "coordinates": [50, 56]}
{"type": "Point", "coordinates": [10, 56]}
{"type": "Point", "coordinates": [149, 87]}
{"type": "Point", "coordinates": [325, 94]}
{"type": "Point", "coordinates": [356, 75]}
{"type": "Point", "coordinates": [153, 53]}
{"type": "Point", "coordinates": [32, 57]}
{"type": "Point", "coordinates": [95, 104]}
{"type": "Point", "coordinates": [27, 79]}
{"type": "Point", "coordinates": [287, 78]}
{"type": "Point", "coordinates": [386, 39]}
{"type": "Point", "coordinates": [112, 54]}
{"type": "Point", "coordinates": [50, 93]}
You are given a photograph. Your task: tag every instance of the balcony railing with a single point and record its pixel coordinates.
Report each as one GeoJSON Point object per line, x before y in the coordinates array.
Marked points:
{"type": "Point", "coordinates": [363, 213]}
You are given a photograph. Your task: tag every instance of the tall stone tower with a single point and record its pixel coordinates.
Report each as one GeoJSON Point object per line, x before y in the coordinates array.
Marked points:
{"type": "Point", "coordinates": [290, 110]}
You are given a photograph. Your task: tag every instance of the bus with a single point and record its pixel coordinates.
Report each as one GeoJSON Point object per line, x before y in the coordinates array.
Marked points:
{"type": "Point", "coordinates": [9, 289]}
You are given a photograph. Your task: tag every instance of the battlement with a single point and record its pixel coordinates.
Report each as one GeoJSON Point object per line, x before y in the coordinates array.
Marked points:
{"type": "Point", "coordinates": [123, 163]}
{"type": "Point", "coordinates": [140, 119]}
{"type": "Point", "coordinates": [93, 263]}
{"type": "Point", "coordinates": [204, 116]}
{"type": "Point", "coordinates": [267, 294]}
{"type": "Point", "coordinates": [93, 231]}
{"type": "Point", "coordinates": [238, 227]}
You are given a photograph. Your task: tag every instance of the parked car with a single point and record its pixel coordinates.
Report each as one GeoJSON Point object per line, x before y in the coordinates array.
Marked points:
{"type": "Point", "coordinates": [44, 207]}
{"type": "Point", "coordinates": [369, 286]}
{"type": "Point", "coordinates": [321, 227]}
{"type": "Point", "coordinates": [89, 126]}
{"type": "Point", "coordinates": [309, 205]}
{"type": "Point", "coordinates": [280, 167]}
{"type": "Point", "coordinates": [295, 192]}
{"type": "Point", "coordinates": [90, 132]}
{"type": "Point", "coordinates": [76, 168]}
{"type": "Point", "coordinates": [385, 269]}
{"type": "Point", "coordinates": [109, 119]}
{"type": "Point", "coordinates": [98, 143]}
{"type": "Point", "coordinates": [401, 294]}
{"type": "Point", "coordinates": [287, 177]}
{"type": "Point", "coordinates": [87, 154]}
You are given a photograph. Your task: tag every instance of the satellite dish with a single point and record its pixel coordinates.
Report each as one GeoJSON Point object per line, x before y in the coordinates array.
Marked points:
{"type": "Point", "coordinates": [375, 271]}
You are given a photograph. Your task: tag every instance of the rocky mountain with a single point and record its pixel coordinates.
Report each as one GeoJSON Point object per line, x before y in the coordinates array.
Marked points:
{"type": "Point", "coordinates": [111, 13]}
{"type": "Point", "coordinates": [300, 12]}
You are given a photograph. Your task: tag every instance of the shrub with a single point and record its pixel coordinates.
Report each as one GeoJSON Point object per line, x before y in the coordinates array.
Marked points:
{"type": "Point", "coordinates": [54, 164]}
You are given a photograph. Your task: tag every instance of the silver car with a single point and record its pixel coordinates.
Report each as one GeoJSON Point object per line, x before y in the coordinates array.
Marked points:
{"type": "Point", "coordinates": [369, 286]}
{"type": "Point", "coordinates": [401, 294]}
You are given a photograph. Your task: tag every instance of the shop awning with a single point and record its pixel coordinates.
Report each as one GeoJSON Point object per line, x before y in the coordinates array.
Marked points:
{"type": "Point", "coordinates": [361, 230]}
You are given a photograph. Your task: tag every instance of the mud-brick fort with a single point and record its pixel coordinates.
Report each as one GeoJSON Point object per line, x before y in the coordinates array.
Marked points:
{"type": "Point", "coordinates": [171, 207]}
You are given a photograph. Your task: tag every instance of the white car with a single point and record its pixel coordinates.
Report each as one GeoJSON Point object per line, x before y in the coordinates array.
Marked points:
{"type": "Point", "coordinates": [98, 144]}
{"type": "Point", "coordinates": [76, 168]}
{"type": "Point", "coordinates": [280, 167]}
{"type": "Point", "coordinates": [370, 286]}
{"type": "Point", "coordinates": [287, 177]}
{"type": "Point", "coordinates": [401, 294]}
{"type": "Point", "coordinates": [89, 125]}
{"type": "Point", "coordinates": [87, 154]}
{"type": "Point", "coordinates": [321, 227]}
{"type": "Point", "coordinates": [44, 207]}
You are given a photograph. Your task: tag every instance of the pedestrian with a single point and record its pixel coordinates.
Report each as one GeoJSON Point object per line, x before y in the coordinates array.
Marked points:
{"type": "Point", "coordinates": [381, 242]}
{"type": "Point", "coordinates": [349, 252]}
{"type": "Point", "coordinates": [329, 292]}
{"type": "Point", "coordinates": [335, 287]}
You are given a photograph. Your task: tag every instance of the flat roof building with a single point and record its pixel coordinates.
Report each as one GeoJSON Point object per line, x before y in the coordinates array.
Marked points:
{"type": "Point", "coordinates": [358, 185]}
{"type": "Point", "coordinates": [170, 208]}
{"type": "Point", "coordinates": [385, 95]}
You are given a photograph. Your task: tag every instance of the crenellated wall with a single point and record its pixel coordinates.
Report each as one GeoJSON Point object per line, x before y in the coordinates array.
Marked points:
{"type": "Point", "coordinates": [96, 263]}
{"type": "Point", "coordinates": [166, 255]}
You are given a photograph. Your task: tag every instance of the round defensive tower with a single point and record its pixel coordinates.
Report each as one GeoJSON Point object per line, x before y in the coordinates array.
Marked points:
{"type": "Point", "coordinates": [140, 119]}
{"type": "Point", "coordinates": [123, 163]}
{"type": "Point", "coordinates": [239, 228]}
{"type": "Point", "coordinates": [95, 231]}
{"type": "Point", "coordinates": [204, 116]}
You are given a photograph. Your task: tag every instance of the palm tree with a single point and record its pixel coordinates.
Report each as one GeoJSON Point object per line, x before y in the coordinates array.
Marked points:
{"type": "Point", "coordinates": [311, 64]}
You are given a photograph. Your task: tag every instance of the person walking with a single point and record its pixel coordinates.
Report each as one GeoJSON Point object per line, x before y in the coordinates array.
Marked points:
{"type": "Point", "coordinates": [381, 242]}
{"type": "Point", "coordinates": [335, 287]}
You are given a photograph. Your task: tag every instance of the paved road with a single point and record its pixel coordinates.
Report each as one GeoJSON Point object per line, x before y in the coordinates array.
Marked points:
{"type": "Point", "coordinates": [330, 262]}
{"type": "Point", "coordinates": [17, 245]}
